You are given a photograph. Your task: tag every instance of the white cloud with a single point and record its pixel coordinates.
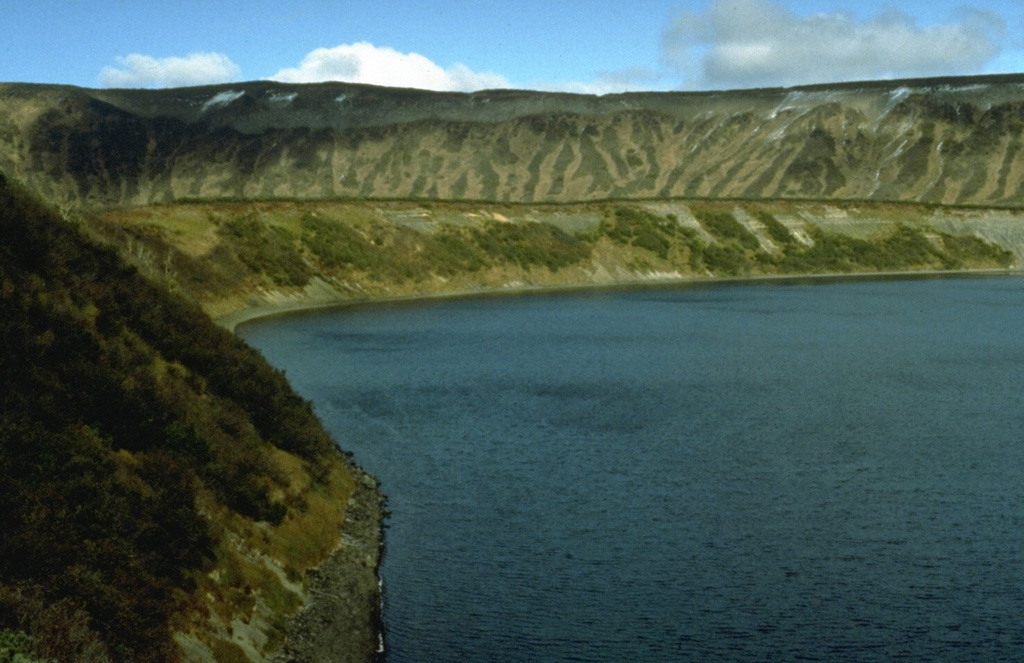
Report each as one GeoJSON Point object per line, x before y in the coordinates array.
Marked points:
{"type": "Point", "coordinates": [749, 43]}
{"type": "Point", "coordinates": [145, 71]}
{"type": "Point", "coordinates": [365, 63]}
{"type": "Point", "coordinates": [374, 65]}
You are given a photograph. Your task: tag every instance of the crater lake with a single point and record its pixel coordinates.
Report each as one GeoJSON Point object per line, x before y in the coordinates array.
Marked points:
{"type": "Point", "coordinates": [778, 471]}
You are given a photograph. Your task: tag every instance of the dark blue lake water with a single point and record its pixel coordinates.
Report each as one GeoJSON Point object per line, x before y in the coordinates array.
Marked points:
{"type": "Point", "coordinates": [723, 473]}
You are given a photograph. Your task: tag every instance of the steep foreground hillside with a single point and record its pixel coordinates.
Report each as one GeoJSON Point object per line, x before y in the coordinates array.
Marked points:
{"type": "Point", "coordinates": [164, 495]}
{"type": "Point", "coordinates": [945, 141]}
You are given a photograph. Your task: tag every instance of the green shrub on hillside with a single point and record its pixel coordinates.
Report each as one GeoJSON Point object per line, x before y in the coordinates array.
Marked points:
{"type": "Point", "coordinates": [530, 244]}
{"type": "Point", "coordinates": [830, 252]}
{"type": "Point", "coordinates": [963, 250]}
{"type": "Point", "coordinates": [336, 244]}
{"type": "Point", "coordinates": [776, 229]}
{"type": "Point", "coordinates": [449, 252]}
{"type": "Point", "coordinates": [724, 226]}
{"type": "Point", "coordinates": [905, 247]}
{"type": "Point", "coordinates": [725, 260]}
{"type": "Point", "coordinates": [266, 249]}
{"type": "Point", "coordinates": [665, 237]}
{"type": "Point", "coordinates": [401, 254]}
{"type": "Point", "coordinates": [638, 227]}
{"type": "Point", "coordinates": [382, 252]}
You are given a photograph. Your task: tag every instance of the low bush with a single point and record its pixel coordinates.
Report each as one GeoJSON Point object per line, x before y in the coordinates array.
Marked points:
{"type": "Point", "coordinates": [724, 226]}
{"type": "Point", "coordinates": [776, 230]}
{"type": "Point", "coordinates": [638, 227]}
{"type": "Point", "coordinates": [725, 260]}
{"type": "Point", "coordinates": [905, 247]}
{"type": "Point", "coordinates": [530, 244]}
{"type": "Point", "coordinates": [266, 249]}
{"type": "Point", "coordinates": [967, 250]}
{"type": "Point", "coordinates": [449, 252]}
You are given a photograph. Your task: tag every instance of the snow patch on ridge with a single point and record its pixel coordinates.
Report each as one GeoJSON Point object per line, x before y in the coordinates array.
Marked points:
{"type": "Point", "coordinates": [284, 98]}
{"type": "Point", "coordinates": [222, 99]}
{"type": "Point", "coordinates": [898, 95]}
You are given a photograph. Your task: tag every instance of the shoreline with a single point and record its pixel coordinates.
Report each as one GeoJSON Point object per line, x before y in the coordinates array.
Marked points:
{"type": "Point", "coordinates": [231, 321]}
{"type": "Point", "coordinates": [343, 620]}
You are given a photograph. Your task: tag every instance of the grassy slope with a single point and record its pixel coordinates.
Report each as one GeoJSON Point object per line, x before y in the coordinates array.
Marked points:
{"type": "Point", "coordinates": [233, 256]}
{"type": "Point", "coordinates": [158, 480]}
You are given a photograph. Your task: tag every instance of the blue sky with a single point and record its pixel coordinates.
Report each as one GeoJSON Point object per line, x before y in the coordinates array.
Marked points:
{"type": "Point", "coordinates": [573, 45]}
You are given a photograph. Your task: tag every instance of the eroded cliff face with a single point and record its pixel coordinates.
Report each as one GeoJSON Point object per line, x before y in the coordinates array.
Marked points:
{"type": "Point", "coordinates": [938, 140]}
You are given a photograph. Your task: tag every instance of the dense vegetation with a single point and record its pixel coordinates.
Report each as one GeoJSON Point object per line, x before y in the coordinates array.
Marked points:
{"type": "Point", "coordinates": [389, 254]}
{"type": "Point", "coordinates": [735, 250]}
{"type": "Point", "coordinates": [374, 248]}
{"type": "Point", "coordinates": [127, 421]}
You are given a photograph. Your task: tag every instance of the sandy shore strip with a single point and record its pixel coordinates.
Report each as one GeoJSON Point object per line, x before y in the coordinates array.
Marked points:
{"type": "Point", "coordinates": [231, 321]}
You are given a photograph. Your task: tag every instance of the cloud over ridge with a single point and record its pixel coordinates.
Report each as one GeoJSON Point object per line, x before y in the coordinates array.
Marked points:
{"type": "Point", "coordinates": [745, 43]}
{"type": "Point", "coordinates": [363, 62]}
{"type": "Point", "coordinates": [726, 45]}
{"type": "Point", "coordinates": [137, 70]}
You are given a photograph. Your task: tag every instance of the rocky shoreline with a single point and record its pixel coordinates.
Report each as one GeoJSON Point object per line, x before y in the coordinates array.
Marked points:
{"type": "Point", "coordinates": [342, 621]}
